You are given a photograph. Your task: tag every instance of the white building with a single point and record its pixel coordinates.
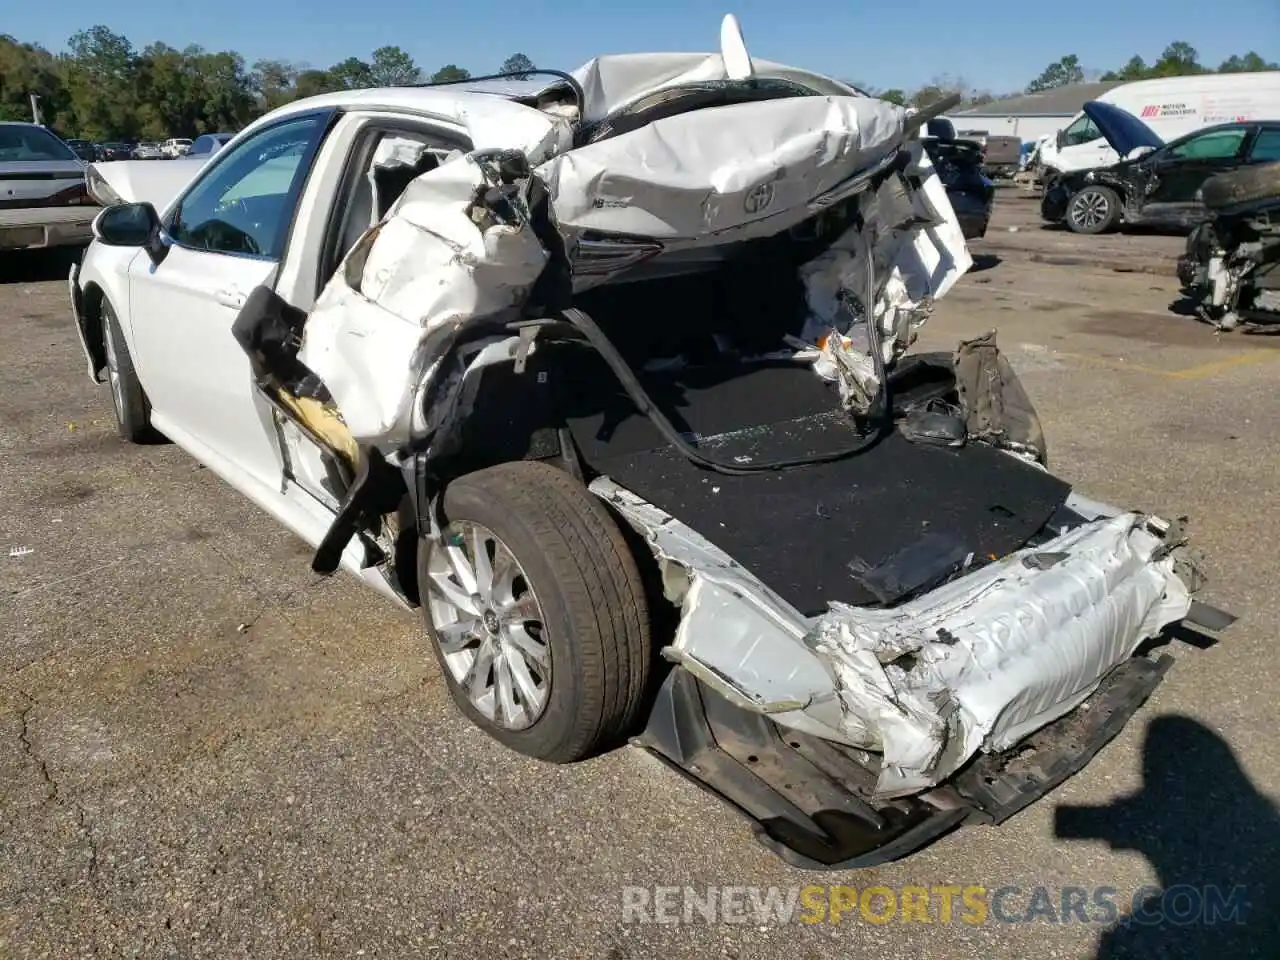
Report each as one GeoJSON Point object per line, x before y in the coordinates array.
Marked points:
{"type": "Point", "coordinates": [1028, 116]}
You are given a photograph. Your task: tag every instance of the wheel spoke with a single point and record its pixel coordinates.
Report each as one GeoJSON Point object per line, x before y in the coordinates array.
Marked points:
{"type": "Point", "coordinates": [505, 571]}
{"type": "Point", "coordinates": [463, 572]}
{"type": "Point", "coordinates": [520, 609]}
{"type": "Point", "coordinates": [519, 670]}
{"type": "Point", "coordinates": [508, 710]}
{"type": "Point", "coordinates": [478, 679]}
{"type": "Point", "coordinates": [453, 594]}
{"type": "Point", "coordinates": [482, 566]}
{"type": "Point", "coordinates": [528, 647]}
{"type": "Point", "coordinates": [455, 636]}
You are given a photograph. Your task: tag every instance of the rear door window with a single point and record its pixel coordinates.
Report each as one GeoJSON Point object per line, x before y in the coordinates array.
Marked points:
{"type": "Point", "coordinates": [1267, 146]}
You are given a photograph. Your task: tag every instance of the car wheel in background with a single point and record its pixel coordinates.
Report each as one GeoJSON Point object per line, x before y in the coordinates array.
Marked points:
{"type": "Point", "coordinates": [128, 400]}
{"type": "Point", "coordinates": [536, 611]}
{"type": "Point", "coordinates": [1093, 210]}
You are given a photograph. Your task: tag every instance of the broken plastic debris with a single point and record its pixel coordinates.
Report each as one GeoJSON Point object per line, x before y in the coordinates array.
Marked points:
{"type": "Point", "coordinates": [20, 551]}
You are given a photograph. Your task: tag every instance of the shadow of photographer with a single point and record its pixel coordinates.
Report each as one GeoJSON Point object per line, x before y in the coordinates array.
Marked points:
{"type": "Point", "coordinates": [1213, 840]}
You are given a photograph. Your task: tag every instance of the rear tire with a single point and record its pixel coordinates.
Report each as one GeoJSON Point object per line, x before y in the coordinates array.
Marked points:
{"type": "Point", "coordinates": [574, 598]}
{"type": "Point", "coordinates": [1242, 186]}
{"type": "Point", "coordinates": [128, 400]}
{"type": "Point", "coordinates": [1093, 210]}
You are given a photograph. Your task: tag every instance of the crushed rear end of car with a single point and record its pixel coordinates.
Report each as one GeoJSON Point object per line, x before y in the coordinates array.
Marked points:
{"type": "Point", "coordinates": [887, 617]}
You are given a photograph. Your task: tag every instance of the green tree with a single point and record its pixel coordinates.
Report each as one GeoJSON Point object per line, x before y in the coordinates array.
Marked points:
{"type": "Point", "coordinates": [272, 83]}
{"type": "Point", "coordinates": [311, 83]}
{"type": "Point", "coordinates": [27, 69]}
{"type": "Point", "coordinates": [1135, 69]}
{"type": "Point", "coordinates": [449, 72]}
{"type": "Point", "coordinates": [894, 95]}
{"type": "Point", "coordinates": [101, 71]}
{"type": "Point", "coordinates": [352, 74]}
{"type": "Point", "coordinates": [1060, 73]}
{"type": "Point", "coordinates": [224, 89]}
{"type": "Point", "coordinates": [392, 67]}
{"type": "Point", "coordinates": [517, 63]}
{"type": "Point", "coordinates": [1179, 59]}
{"type": "Point", "coordinates": [1249, 63]}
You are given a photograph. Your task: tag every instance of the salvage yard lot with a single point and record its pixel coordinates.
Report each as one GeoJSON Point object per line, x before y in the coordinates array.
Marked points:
{"type": "Point", "coordinates": [205, 749]}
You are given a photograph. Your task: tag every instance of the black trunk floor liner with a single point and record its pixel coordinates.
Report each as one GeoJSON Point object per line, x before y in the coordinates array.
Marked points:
{"type": "Point", "coordinates": [804, 532]}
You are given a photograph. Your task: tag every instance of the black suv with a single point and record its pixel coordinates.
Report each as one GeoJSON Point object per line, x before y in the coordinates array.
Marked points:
{"type": "Point", "coordinates": [1156, 183]}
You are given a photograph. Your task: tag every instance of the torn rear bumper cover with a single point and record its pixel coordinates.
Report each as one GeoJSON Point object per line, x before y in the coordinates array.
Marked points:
{"type": "Point", "coordinates": [973, 666]}
{"type": "Point", "coordinates": [812, 801]}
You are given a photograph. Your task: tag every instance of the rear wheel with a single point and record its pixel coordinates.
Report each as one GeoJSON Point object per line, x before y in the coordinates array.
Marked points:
{"type": "Point", "coordinates": [128, 400]}
{"type": "Point", "coordinates": [536, 611]}
{"type": "Point", "coordinates": [1093, 210]}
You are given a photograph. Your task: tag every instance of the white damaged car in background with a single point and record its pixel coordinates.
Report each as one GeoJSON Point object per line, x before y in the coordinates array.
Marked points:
{"type": "Point", "coordinates": [608, 373]}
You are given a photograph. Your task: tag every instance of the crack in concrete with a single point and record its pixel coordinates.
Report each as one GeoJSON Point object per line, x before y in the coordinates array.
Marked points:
{"type": "Point", "coordinates": [52, 792]}
{"type": "Point", "coordinates": [277, 603]}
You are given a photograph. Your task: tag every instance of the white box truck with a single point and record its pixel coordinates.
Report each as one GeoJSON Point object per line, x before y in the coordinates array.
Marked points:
{"type": "Point", "coordinates": [1170, 106]}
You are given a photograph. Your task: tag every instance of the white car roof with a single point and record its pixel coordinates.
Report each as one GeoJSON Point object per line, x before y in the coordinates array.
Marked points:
{"type": "Point", "coordinates": [608, 82]}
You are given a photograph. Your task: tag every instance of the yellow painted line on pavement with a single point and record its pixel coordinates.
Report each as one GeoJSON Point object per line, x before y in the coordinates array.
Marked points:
{"type": "Point", "coordinates": [1206, 370]}
{"type": "Point", "coordinates": [1202, 371]}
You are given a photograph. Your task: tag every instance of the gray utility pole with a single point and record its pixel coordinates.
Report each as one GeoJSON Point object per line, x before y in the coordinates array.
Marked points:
{"type": "Point", "coordinates": [35, 109]}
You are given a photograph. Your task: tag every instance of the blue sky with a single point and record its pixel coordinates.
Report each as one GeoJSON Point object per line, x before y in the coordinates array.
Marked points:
{"type": "Point", "coordinates": [998, 47]}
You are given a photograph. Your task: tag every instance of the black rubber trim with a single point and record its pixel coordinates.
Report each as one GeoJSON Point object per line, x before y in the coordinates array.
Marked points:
{"type": "Point", "coordinates": [811, 801]}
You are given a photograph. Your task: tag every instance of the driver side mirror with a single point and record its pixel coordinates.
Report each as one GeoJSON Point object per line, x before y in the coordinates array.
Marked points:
{"type": "Point", "coordinates": [132, 225]}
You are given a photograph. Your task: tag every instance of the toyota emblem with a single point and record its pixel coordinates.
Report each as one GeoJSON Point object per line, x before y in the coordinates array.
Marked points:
{"type": "Point", "coordinates": [759, 198]}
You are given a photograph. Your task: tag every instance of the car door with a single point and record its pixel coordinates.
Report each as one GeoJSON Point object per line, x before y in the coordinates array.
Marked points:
{"type": "Point", "coordinates": [1180, 170]}
{"type": "Point", "coordinates": [379, 163]}
{"type": "Point", "coordinates": [224, 236]}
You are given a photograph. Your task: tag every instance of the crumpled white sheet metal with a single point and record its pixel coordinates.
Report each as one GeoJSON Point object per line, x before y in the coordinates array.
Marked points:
{"type": "Point", "coordinates": [993, 656]}
{"type": "Point", "coordinates": [616, 80]}
{"type": "Point", "coordinates": [990, 657]}
{"type": "Point", "coordinates": [691, 178]}
{"type": "Point", "coordinates": [919, 254]}
{"type": "Point", "coordinates": [750, 169]}
{"type": "Point", "coordinates": [428, 264]}
{"type": "Point", "coordinates": [735, 633]}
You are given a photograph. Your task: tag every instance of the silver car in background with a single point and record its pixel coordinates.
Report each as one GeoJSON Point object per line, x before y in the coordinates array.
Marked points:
{"type": "Point", "coordinates": [43, 199]}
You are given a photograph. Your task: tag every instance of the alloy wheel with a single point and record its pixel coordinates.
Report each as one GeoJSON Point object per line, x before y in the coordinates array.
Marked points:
{"type": "Point", "coordinates": [113, 366]}
{"type": "Point", "coordinates": [1089, 208]}
{"type": "Point", "coordinates": [489, 625]}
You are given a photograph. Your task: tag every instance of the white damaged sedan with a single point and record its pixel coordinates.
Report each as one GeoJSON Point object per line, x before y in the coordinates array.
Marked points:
{"type": "Point", "coordinates": [608, 373]}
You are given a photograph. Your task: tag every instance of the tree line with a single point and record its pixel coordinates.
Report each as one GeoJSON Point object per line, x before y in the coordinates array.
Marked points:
{"type": "Point", "coordinates": [101, 88]}
{"type": "Point", "coordinates": [1178, 59]}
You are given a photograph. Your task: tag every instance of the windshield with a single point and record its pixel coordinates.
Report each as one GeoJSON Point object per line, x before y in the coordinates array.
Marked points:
{"type": "Point", "coordinates": [27, 144]}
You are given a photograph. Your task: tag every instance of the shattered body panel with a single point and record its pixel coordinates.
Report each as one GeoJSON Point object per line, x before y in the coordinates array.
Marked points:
{"type": "Point", "coordinates": [1231, 268]}
{"type": "Point", "coordinates": [445, 257]}
{"type": "Point", "coordinates": [971, 666]}
{"type": "Point", "coordinates": [703, 313]}
{"type": "Point", "coordinates": [974, 665]}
